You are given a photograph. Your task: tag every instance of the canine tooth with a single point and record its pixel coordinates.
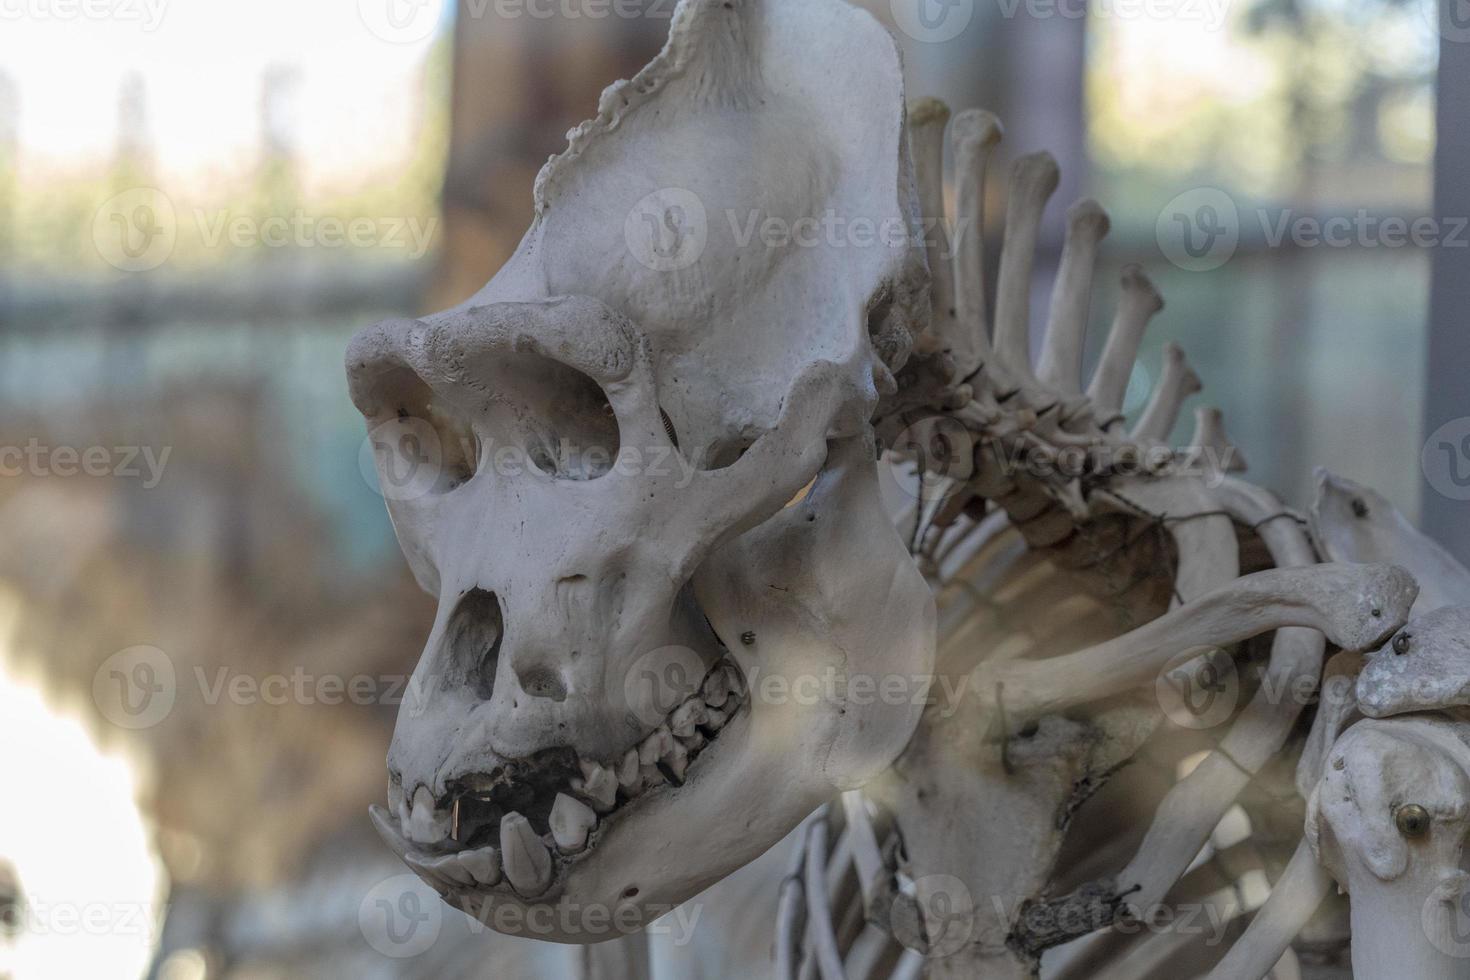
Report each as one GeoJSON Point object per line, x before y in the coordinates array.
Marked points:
{"type": "Point", "coordinates": [425, 824]}
{"type": "Point", "coordinates": [628, 771]}
{"type": "Point", "coordinates": [571, 822]}
{"type": "Point", "coordinates": [527, 861]}
{"type": "Point", "coordinates": [687, 716]}
{"type": "Point", "coordinates": [654, 746]}
{"type": "Point", "coordinates": [600, 786]}
{"type": "Point", "coordinates": [483, 865]}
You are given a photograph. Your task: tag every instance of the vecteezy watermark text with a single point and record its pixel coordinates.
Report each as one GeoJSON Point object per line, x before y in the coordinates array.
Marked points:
{"type": "Point", "coordinates": [146, 13]}
{"type": "Point", "coordinates": [123, 462]}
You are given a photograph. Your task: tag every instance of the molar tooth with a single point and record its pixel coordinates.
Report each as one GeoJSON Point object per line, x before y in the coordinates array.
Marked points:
{"type": "Point", "coordinates": [686, 717]}
{"type": "Point", "coordinates": [651, 776]}
{"type": "Point", "coordinates": [527, 861]}
{"type": "Point", "coordinates": [734, 680]}
{"type": "Point", "coordinates": [694, 742]}
{"type": "Point", "coordinates": [677, 759]}
{"type": "Point", "coordinates": [483, 865]}
{"type": "Point", "coordinates": [654, 746]}
{"type": "Point", "coordinates": [716, 690]}
{"type": "Point", "coordinates": [425, 824]}
{"type": "Point", "coordinates": [628, 771]}
{"type": "Point", "coordinates": [717, 719]}
{"type": "Point", "coordinates": [571, 822]}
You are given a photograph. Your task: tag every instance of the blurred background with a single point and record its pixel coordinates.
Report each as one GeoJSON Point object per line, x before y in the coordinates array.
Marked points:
{"type": "Point", "coordinates": [200, 202]}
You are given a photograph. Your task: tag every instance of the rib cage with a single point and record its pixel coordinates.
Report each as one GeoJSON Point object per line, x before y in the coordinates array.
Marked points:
{"type": "Point", "coordinates": [1081, 543]}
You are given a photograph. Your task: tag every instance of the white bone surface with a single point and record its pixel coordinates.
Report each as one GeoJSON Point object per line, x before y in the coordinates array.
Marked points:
{"type": "Point", "coordinates": [648, 310]}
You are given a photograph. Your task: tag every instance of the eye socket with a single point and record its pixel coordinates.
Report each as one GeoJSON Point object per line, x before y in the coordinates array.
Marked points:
{"type": "Point", "coordinates": [559, 418]}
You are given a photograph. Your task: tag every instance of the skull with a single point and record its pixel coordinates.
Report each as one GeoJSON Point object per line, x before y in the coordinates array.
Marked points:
{"type": "Point", "coordinates": [641, 482]}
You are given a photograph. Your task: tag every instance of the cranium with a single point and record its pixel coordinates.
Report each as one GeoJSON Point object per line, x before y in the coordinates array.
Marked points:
{"type": "Point", "coordinates": [618, 425]}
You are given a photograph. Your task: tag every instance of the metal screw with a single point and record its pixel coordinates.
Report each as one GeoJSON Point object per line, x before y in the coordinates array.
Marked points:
{"type": "Point", "coordinates": [1360, 507]}
{"type": "Point", "coordinates": [1401, 644]}
{"type": "Point", "coordinates": [1412, 820]}
{"type": "Point", "coordinates": [748, 638]}
{"type": "Point", "coordinates": [1339, 763]}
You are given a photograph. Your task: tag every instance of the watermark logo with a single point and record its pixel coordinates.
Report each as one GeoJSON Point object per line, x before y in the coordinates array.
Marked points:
{"type": "Point", "coordinates": [135, 688]}
{"type": "Point", "coordinates": [1199, 230]}
{"type": "Point", "coordinates": [401, 21]}
{"type": "Point", "coordinates": [1198, 689]}
{"type": "Point", "coordinates": [947, 910]}
{"type": "Point", "coordinates": [659, 681]}
{"type": "Point", "coordinates": [667, 231]}
{"type": "Point", "coordinates": [932, 21]}
{"type": "Point", "coordinates": [1450, 19]}
{"type": "Point", "coordinates": [136, 231]}
{"type": "Point", "coordinates": [930, 460]}
{"type": "Point", "coordinates": [401, 917]}
{"type": "Point", "coordinates": [402, 459]}
{"type": "Point", "coordinates": [1445, 917]}
{"type": "Point", "coordinates": [1445, 459]}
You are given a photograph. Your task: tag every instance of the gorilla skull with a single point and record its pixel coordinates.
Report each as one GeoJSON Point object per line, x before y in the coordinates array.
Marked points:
{"type": "Point", "coordinates": [618, 431]}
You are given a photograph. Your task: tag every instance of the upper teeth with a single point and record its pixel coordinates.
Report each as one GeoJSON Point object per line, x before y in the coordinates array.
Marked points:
{"type": "Point", "coordinates": [426, 825]}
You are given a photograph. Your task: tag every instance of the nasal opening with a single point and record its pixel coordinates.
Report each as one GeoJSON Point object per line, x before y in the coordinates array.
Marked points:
{"type": "Point", "coordinates": [475, 632]}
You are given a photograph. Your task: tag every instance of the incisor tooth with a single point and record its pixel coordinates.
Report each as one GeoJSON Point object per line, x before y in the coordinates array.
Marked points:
{"type": "Point", "coordinates": [571, 822]}
{"type": "Point", "coordinates": [450, 867]}
{"type": "Point", "coordinates": [437, 872]}
{"type": "Point", "coordinates": [483, 864]}
{"type": "Point", "coordinates": [526, 859]}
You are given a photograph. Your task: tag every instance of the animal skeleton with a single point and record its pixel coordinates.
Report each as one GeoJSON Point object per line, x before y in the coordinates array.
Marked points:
{"type": "Point", "coordinates": [592, 728]}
